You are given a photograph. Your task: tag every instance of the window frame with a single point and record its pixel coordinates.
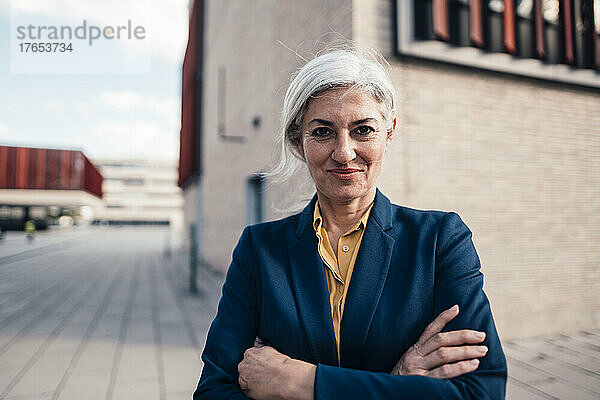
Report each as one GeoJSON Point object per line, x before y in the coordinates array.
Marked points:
{"type": "Point", "coordinates": [408, 45]}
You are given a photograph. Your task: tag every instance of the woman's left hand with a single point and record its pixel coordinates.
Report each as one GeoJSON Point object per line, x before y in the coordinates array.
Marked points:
{"type": "Point", "coordinates": [265, 373]}
{"type": "Point", "coordinates": [443, 355]}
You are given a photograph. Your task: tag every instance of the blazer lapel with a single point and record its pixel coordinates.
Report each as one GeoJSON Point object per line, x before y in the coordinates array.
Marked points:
{"type": "Point", "coordinates": [310, 290]}
{"type": "Point", "coordinates": [367, 282]}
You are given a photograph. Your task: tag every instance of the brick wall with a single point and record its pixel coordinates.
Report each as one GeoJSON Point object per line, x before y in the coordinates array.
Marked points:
{"type": "Point", "coordinates": [519, 160]}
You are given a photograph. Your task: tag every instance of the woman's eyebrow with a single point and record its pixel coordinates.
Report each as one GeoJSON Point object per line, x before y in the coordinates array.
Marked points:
{"type": "Point", "coordinates": [321, 121]}
{"type": "Point", "coordinates": [362, 121]}
{"type": "Point", "coordinates": [329, 123]}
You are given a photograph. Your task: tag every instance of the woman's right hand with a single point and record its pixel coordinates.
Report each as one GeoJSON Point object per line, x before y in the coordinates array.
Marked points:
{"type": "Point", "coordinates": [443, 355]}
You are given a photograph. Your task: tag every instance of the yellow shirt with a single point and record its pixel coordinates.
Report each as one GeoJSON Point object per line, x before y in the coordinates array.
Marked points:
{"type": "Point", "coordinates": [338, 270]}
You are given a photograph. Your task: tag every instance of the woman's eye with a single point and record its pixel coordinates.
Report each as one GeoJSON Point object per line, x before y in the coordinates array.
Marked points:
{"type": "Point", "coordinates": [364, 130]}
{"type": "Point", "coordinates": [321, 132]}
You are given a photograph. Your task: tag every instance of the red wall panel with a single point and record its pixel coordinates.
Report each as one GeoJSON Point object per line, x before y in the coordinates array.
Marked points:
{"type": "Point", "coordinates": [539, 29]}
{"type": "Point", "coordinates": [191, 88]}
{"type": "Point", "coordinates": [476, 22]}
{"type": "Point", "coordinates": [76, 169]}
{"type": "Point", "coordinates": [3, 166]}
{"type": "Point", "coordinates": [52, 169]}
{"type": "Point", "coordinates": [440, 19]}
{"type": "Point", "coordinates": [510, 41]}
{"type": "Point", "coordinates": [11, 167]}
{"type": "Point", "coordinates": [568, 30]}
{"type": "Point", "coordinates": [92, 179]}
{"type": "Point", "coordinates": [40, 180]}
{"type": "Point", "coordinates": [21, 168]}
{"type": "Point", "coordinates": [64, 170]}
{"type": "Point", "coordinates": [31, 168]}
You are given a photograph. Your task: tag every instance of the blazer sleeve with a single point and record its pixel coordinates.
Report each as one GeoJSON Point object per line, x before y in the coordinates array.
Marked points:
{"type": "Point", "coordinates": [458, 281]}
{"type": "Point", "coordinates": [234, 328]}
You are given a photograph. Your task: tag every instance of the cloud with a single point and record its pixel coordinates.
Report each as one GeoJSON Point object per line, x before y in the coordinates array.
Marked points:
{"type": "Point", "coordinates": [4, 132]}
{"type": "Point", "coordinates": [125, 101]}
{"type": "Point", "coordinates": [166, 22]}
{"type": "Point", "coordinates": [128, 101]}
{"type": "Point", "coordinates": [53, 106]}
{"type": "Point", "coordinates": [83, 109]}
{"type": "Point", "coordinates": [137, 139]}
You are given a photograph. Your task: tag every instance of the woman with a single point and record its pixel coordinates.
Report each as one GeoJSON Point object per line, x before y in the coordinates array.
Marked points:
{"type": "Point", "coordinates": [348, 299]}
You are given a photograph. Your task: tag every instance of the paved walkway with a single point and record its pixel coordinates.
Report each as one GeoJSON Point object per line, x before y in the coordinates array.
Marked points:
{"type": "Point", "coordinates": [558, 367]}
{"type": "Point", "coordinates": [13, 243]}
{"type": "Point", "coordinates": [102, 315]}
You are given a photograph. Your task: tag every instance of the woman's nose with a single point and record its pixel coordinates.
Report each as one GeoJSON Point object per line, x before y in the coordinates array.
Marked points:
{"type": "Point", "coordinates": [344, 151]}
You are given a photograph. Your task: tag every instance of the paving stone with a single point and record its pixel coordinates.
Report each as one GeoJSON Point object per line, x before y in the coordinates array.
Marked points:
{"type": "Point", "coordinates": [517, 391]}
{"type": "Point", "coordinates": [44, 375]}
{"type": "Point", "coordinates": [91, 384]}
{"type": "Point", "coordinates": [539, 360]}
{"type": "Point", "coordinates": [565, 391]}
{"type": "Point", "coordinates": [569, 355]}
{"type": "Point", "coordinates": [98, 355]}
{"type": "Point", "coordinates": [182, 366]}
{"type": "Point", "coordinates": [146, 388]}
{"type": "Point", "coordinates": [525, 372]}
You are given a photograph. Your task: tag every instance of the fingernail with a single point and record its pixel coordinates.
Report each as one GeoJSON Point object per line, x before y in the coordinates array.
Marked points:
{"type": "Point", "coordinates": [483, 349]}
{"type": "Point", "coordinates": [455, 307]}
{"type": "Point", "coordinates": [480, 335]}
{"type": "Point", "coordinates": [474, 362]}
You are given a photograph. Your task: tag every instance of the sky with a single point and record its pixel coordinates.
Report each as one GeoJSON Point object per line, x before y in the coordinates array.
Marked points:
{"type": "Point", "coordinates": [117, 98]}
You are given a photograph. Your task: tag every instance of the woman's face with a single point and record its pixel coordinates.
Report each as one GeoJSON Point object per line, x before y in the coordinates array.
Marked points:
{"type": "Point", "coordinates": [344, 139]}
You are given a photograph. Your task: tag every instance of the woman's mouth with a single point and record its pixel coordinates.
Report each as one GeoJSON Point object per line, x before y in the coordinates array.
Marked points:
{"type": "Point", "coordinates": [345, 173]}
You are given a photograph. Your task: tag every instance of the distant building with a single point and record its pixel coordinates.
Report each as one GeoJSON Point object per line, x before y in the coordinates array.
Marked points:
{"type": "Point", "coordinates": [43, 184]}
{"type": "Point", "coordinates": [499, 120]}
{"type": "Point", "coordinates": [139, 192]}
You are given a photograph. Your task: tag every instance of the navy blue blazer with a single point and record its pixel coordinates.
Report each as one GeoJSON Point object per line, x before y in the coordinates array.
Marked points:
{"type": "Point", "coordinates": [411, 266]}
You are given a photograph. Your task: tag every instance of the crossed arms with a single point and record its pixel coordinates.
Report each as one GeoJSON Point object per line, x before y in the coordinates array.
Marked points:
{"type": "Point", "coordinates": [438, 366]}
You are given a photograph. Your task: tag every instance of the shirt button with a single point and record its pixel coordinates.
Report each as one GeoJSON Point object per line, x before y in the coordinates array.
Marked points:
{"type": "Point", "coordinates": [345, 247]}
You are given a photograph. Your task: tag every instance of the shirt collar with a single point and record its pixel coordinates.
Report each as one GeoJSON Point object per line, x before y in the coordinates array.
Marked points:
{"type": "Point", "coordinates": [318, 219]}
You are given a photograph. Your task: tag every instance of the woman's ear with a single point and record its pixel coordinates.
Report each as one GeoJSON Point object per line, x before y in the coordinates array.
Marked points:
{"type": "Point", "coordinates": [391, 132]}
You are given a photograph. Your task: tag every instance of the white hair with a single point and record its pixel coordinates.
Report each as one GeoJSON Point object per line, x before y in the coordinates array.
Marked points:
{"type": "Point", "coordinates": [349, 67]}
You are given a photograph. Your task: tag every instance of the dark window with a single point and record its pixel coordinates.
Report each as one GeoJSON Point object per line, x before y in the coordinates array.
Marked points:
{"type": "Point", "coordinates": [424, 20]}
{"type": "Point", "coordinates": [525, 27]}
{"type": "Point", "coordinates": [133, 181]}
{"type": "Point", "coordinates": [556, 31]}
{"type": "Point", "coordinates": [583, 27]}
{"type": "Point", "coordinates": [553, 45]}
{"type": "Point", "coordinates": [493, 13]}
{"type": "Point", "coordinates": [459, 26]}
{"type": "Point", "coordinates": [596, 33]}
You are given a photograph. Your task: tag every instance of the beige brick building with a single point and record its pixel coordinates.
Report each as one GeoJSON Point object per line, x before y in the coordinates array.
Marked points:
{"type": "Point", "coordinates": [518, 158]}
